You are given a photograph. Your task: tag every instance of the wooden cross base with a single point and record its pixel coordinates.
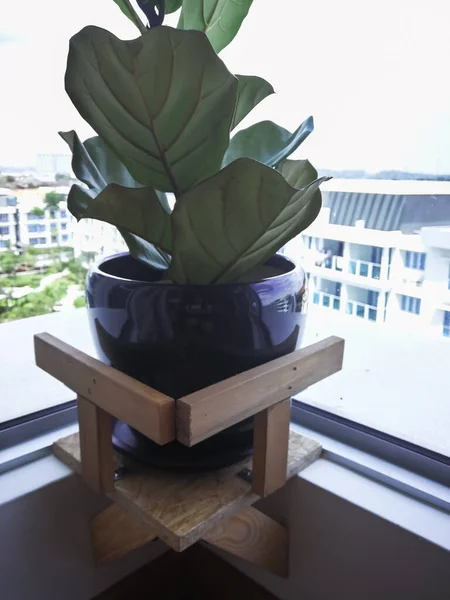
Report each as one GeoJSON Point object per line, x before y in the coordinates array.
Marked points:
{"type": "Point", "coordinates": [183, 509]}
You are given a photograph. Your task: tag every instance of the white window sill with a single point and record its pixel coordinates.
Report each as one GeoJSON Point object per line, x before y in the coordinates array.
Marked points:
{"type": "Point", "coordinates": [380, 487]}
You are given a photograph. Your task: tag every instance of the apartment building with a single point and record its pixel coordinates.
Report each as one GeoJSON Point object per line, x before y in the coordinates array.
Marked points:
{"type": "Point", "coordinates": [22, 226]}
{"type": "Point", "coordinates": [8, 221]}
{"type": "Point", "coordinates": [380, 251]}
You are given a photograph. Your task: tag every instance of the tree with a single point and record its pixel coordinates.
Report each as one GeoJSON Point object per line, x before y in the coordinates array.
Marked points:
{"type": "Point", "coordinates": [53, 199]}
{"type": "Point", "coordinates": [10, 179]}
{"type": "Point", "coordinates": [61, 176]}
{"type": "Point", "coordinates": [37, 212]}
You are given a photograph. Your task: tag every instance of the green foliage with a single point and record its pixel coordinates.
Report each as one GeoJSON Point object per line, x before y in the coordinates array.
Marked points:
{"type": "Point", "coordinates": [35, 303]}
{"type": "Point", "coordinates": [53, 199]}
{"type": "Point", "coordinates": [79, 302]}
{"type": "Point", "coordinates": [163, 102]}
{"type": "Point", "coordinates": [251, 91]}
{"type": "Point", "coordinates": [9, 262]}
{"type": "Point", "coordinates": [33, 280]}
{"type": "Point", "coordinates": [163, 107]}
{"type": "Point", "coordinates": [219, 19]}
{"type": "Point", "coordinates": [266, 142]}
{"type": "Point", "coordinates": [96, 166]}
{"type": "Point", "coordinates": [38, 212]}
{"type": "Point", "coordinates": [262, 213]}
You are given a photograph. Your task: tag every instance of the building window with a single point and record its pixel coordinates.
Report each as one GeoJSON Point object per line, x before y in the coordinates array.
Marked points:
{"type": "Point", "coordinates": [54, 239]}
{"type": "Point", "coordinates": [36, 228]}
{"type": "Point", "coordinates": [415, 260]}
{"type": "Point", "coordinates": [4, 218]}
{"type": "Point", "coordinates": [63, 226]}
{"type": "Point", "coordinates": [3, 244]}
{"type": "Point", "coordinates": [37, 240]}
{"type": "Point", "coordinates": [410, 304]}
{"type": "Point", "coordinates": [446, 327]}
{"type": "Point", "coordinates": [33, 217]}
{"type": "Point", "coordinates": [65, 238]}
{"type": "Point", "coordinates": [4, 230]}
{"type": "Point", "coordinates": [63, 214]}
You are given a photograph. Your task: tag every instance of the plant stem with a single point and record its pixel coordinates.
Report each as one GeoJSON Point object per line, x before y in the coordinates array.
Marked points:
{"type": "Point", "coordinates": [136, 20]}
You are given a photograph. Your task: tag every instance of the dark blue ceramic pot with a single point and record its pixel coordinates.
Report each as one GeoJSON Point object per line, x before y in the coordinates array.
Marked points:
{"type": "Point", "coordinates": [181, 338]}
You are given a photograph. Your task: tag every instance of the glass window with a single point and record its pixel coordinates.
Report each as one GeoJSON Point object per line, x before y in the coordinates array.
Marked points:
{"type": "Point", "coordinates": [4, 230]}
{"type": "Point", "coordinates": [410, 304]}
{"type": "Point", "coordinates": [65, 238]}
{"type": "Point", "coordinates": [446, 324]}
{"type": "Point", "coordinates": [4, 218]}
{"type": "Point", "coordinates": [389, 189]}
{"type": "Point", "coordinates": [415, 260]}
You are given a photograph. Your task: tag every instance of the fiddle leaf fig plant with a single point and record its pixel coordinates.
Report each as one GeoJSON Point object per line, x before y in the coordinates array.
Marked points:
{"type": "Point", "coordinates": [164, 106]}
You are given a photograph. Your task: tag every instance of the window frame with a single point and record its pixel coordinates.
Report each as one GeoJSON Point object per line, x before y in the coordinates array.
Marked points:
{"type": "Point", "coordinates": [411, 457]}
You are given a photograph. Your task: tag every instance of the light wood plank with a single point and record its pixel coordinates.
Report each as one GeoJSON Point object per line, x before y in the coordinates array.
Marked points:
{"type": "Point", "coordinates": [114, 533]}
{"type": "Point", "coordinates": [270, 448]}
{"type": "Point", "coordinates": [138, 405]}
{"type": "Point", "coordinates": [181, 509]}
{"type": "Point", "coordinates": [97, 459]}
{"type": "Point", "coordinates": [206, 412]}
{"type": "Point", "coordinates": [253, 536]}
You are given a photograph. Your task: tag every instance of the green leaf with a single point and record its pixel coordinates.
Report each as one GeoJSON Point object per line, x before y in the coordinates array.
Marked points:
{"type": "Point", "coordinates": [79, 199]}
{"type": "Point", "coordinates": [137, 210]}
{"type": "Point", "coordinates": [163, 103]}
{"type": "Point", "coordinates": [235, 221]}
{"type": "Point", "coordinates": [298, 173]}
{"type": "Point", "coordinates": [251, 90]}
{"type": "Point", "coordinates": [96, 165]}
{"type": "Point", "coordinates": [145, 251]}
{"type": "Point", "coordinates": [267, 143]}
{"type": "Point", "coordinates": [128, 10]}
{"type": "Point", "coordinates": [219, 19]}
{"type": "Point", "coordinates": [172, 6]}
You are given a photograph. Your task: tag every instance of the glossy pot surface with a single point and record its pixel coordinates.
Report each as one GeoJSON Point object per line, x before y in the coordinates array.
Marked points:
{"type": "Point", "coordinates": [181, 338]}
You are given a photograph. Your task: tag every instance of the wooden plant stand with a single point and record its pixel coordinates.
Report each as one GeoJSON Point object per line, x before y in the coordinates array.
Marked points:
{"type": "Point", "coordinates": [215, 507]}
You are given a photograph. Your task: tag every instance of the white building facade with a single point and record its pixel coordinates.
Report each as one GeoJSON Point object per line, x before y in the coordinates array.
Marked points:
{"type": "Point", "coordinates": [22, 226]}
{"type": "Point", "coordinates": [380, 251]}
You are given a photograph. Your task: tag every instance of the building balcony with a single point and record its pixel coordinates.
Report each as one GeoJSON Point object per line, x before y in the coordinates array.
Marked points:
{"type": "Point", "coordinates": [326, 300]}
{"type": "Point", "coordinates": [363, 311]}
{"type": "Point", "coordinates": [363, 268]}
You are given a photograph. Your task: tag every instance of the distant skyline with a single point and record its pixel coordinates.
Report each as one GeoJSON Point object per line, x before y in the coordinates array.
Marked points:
{"type": "Point", "coordinates": [374, 77]}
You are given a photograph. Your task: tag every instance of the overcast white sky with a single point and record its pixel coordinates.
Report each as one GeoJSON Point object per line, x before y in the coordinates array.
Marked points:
{"type": "Point", "coordinates": [373, 74]}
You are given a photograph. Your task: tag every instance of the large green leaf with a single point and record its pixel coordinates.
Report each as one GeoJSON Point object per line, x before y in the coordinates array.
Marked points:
{"type": "Point", "coordinates": [128, 10]}
{"type": "Point", "coordinates": [96, 169]}
{"type": "Point", "coordinates": [163, 102]}
{"type": "Point", "coordinates": [219, 19]}
{"type": "Point", "coordinates": [251, 90]}
{"type": "Point", "coordinates": [137, 210]}
{"type": "Point", "coordinates": [267, 142]}
{"type": "Point", "coordinates": [235, 221]}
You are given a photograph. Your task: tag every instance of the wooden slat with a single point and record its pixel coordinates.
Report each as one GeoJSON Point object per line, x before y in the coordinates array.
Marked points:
{"type": "Point", "coordinates": [138, 405]}
{"type": "Point", "coordinates": [208, 411]}
{"type": "Point", "coordinates": [114, 533]}
{"type": "Point", "coordinates": [97, 459]}
{"type": "Point", "coordinates": [253, 536]}
{"type": "Point", "coordinates": [181, 508]}
{"type": "Point", "coordinates": [270, 448]}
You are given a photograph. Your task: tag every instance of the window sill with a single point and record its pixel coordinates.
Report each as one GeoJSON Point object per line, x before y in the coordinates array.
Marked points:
{"type": "Point", "coordinates": [393, 494]}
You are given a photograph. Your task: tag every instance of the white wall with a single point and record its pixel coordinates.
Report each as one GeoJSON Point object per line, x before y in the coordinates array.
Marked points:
{"type": "Point", "coordinates": [338, 551]}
